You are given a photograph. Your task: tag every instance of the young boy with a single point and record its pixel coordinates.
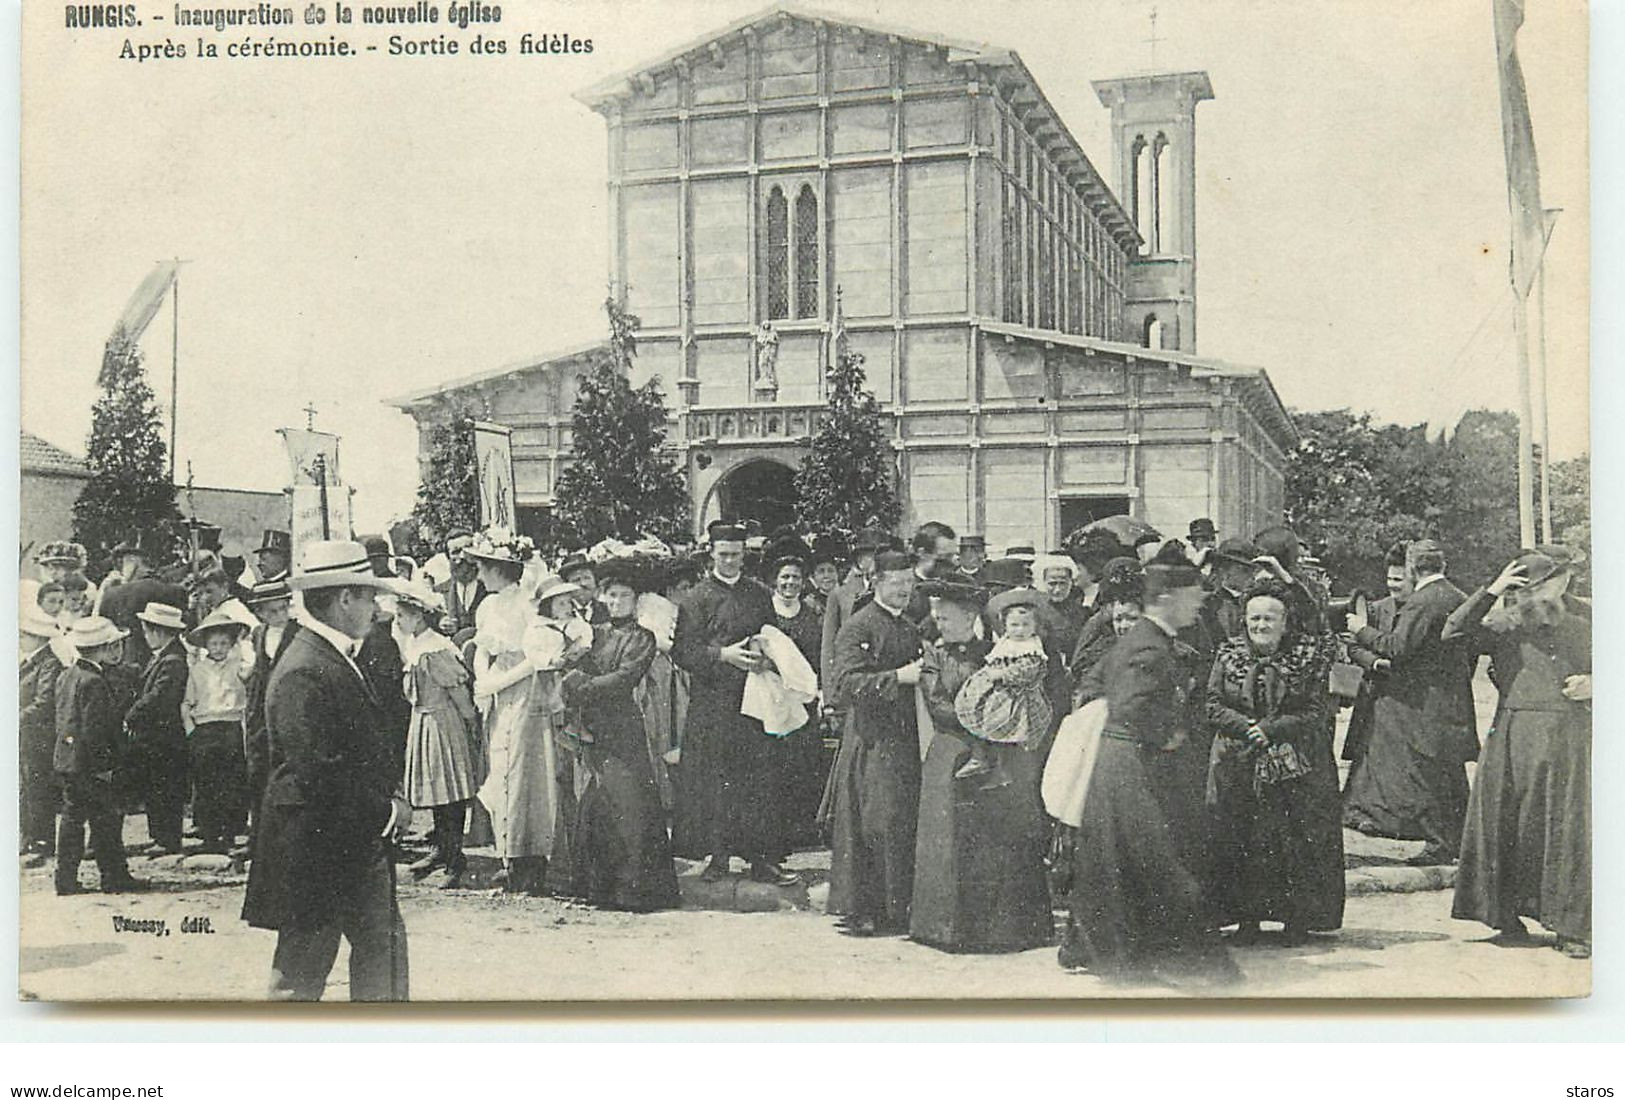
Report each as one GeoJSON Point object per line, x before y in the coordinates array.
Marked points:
{"type": "Point", "coordinates": [1003, 702]}
{"type": "Point", "coordinates": [212, 712]}
{"type": "Point", "coordinates": [88, 734]}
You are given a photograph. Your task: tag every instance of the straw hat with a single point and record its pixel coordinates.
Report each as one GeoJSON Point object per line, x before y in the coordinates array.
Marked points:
{"type": "Point", "coordinates": [61, 553]}
{"type": "Point", "coordinates": [217, 620]}
{"type": "Point", "coordinates": [92, 631]}
{"type": "Point", "coordinates": [162, 614]}
{"type": "Point", "coordinates": [497, 544]}
{"type": "Point", "coordinates": [335, 563]}
{"type": "Point", "coordinates": [553, 586]}
{"type": "Point", "coordinates": [35, 622]}
{"type": "Point", "coordinates": [418, 593]}
{"type": "Point", "coordinates": [1015, 597]}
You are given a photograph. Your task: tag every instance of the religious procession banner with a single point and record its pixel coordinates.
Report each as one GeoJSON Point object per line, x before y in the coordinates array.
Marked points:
{"type": "Point", "coordinates": [493, 454]}
{"type": "Point", "coordinates": [308, 524]}
{"type": "Point", "coordinates": [313, 456]}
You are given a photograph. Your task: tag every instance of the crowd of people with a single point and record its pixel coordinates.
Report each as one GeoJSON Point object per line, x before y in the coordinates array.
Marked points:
{"type": "Point", "coordinates": [1134, 729]}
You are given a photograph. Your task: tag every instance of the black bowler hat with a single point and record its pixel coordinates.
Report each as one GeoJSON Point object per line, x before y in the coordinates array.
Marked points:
{"type": "Point", "coordinates": [893, 561]}
{"type": "Point", "coordinates": [1203, 527]}
{"type": "Point", "coordinates": [967, 595]}
{"type": "Point", "coordinates": [726, 532]}
{"type": "Point", "coordinates": [1006, 573]}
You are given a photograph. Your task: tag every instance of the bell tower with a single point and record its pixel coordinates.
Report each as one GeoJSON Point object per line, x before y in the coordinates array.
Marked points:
{"type": "Point", "coordinates": [1154, 144]}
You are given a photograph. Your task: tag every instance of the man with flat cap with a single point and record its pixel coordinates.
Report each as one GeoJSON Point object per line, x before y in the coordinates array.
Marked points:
{"type": "Point", "coordinates": [877, 772]}
{"type": "Point", "coordinates": [322, 865]}
{"type": "Point", "coordinates": [1412, 784]}
{"type": "Point", "coordinates": [730, 767]}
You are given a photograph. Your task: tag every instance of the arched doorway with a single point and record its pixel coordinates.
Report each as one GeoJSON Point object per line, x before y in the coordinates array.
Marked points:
{"type": "Point", "coordinates": [762, 490]}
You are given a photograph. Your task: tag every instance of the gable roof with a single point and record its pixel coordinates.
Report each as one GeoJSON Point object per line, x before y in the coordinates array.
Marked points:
{"type": "Point", "coordinates": [407, 401]}
{"type": "Point", "coordinates": [1005, 64]}
{"type": "Point", "coordinates": [39, 457]}
{"type": "Point", "coordinates": [1254, 382]}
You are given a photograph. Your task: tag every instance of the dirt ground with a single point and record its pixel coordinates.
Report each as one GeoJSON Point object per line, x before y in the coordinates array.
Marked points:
{"type": "Point", "coordinates": [481, 945]}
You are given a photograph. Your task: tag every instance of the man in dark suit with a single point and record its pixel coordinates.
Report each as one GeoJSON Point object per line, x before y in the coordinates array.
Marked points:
{"type": "Point", "coordinates": [270, 601]}
{"type": "Point", "coordinates": [36, 728]}
{"type": "Point", "coordinates": [123, 602]}
{"type": "Point", "coordinates": [463, 591]}
{"type": "Point", "coordinates": [1413, 782]}
{"type": "Point", "coordinates": [88, 734]}
{"type": "Point", "coordinates": [157, 737]}
{"type": "Point", "coordinates": [322, 867]}
{"type": "Point", "coordinates": [271, 559]}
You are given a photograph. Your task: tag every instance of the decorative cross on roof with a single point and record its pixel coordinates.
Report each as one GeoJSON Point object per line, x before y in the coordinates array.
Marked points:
{"type": "Point", "coordinates": [1153, 39]}
{"type": "Point", "coordinates": [310, 416]}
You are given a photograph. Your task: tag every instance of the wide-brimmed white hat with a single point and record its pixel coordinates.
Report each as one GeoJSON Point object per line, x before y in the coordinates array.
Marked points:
{"type": "Point", "coordinates": [162, 614]}
{"type": "Point", "coordinates": [94, 630]}
{"type": "Point", "coordinates": [335, 563]}
{"type": "Point", "coordinates": [218, 619]}
{"type": "Point", "coordinates": [418, 593]}
{"type": "Point", "coordinates": [553, 586]}
{"type": "Point", "coordinates": [36, 622]}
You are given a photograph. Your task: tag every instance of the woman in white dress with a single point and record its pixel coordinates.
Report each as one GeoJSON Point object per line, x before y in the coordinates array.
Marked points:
{"type": "Point", "coordinates": [518, 791]}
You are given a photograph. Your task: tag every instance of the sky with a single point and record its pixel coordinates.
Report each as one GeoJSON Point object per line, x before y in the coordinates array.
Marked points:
{"type": "Point", "coordinates": [357, 238]}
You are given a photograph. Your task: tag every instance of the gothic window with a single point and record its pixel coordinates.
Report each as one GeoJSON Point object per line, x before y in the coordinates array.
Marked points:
{"type": "Point", "coordinates": [806, 253]}
{"type": "Point", "coordinates": [778, 255]}
{"type": "Point", "coordinates": [791, 260]}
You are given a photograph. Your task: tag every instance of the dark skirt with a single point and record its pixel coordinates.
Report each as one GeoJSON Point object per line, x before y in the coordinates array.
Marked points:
{"type": "Point", "coordinates": [978, 861]}
{"type": "Point", "coordinates": [1135, 907]}
{"type": "Point", "coordinates": [1280, 848]}
{"type": "Point", "coordinates": [1412, 782]}
{"type": "Point", "coordinates": [623, 857]}
{"type": "Point", "coordinates": [873, 818]}
{"type": "Point", "coordinates": [1526, 851]}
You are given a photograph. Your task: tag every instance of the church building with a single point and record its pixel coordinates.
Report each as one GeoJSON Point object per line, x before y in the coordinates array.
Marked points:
{"type": "Point", "coordinates": [1029, 330]}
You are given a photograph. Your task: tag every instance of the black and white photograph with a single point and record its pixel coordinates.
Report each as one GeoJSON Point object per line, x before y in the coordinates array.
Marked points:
{"type": "Point", "coordinates": [868, 501]}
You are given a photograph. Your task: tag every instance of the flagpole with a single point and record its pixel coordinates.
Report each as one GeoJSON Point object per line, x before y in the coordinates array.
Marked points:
{"type": "Point", "coordinates": [174, 363]}
{"type": "Point", "coordinates": [1543, 422]}
{"type": "Point", "coordinates": [1526, 499]}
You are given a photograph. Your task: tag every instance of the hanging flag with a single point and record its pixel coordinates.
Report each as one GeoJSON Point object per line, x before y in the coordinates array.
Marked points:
{"type": "Point", "coordinates": [493, 455]}
{"type": "Point", "coordinates": [1523, 172]}
{"type": "Point", "coordinates": [304, 447]}
{"type": "Point", "coordinates": [144, 303]}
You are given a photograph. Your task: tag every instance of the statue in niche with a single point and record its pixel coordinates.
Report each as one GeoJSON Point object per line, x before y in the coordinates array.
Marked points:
{"type": "Point", "coordinates": [765, 380]}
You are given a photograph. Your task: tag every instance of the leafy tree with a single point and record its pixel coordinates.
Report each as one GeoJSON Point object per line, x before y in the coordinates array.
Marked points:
{"type": "Point", "coordinates": [1571, 501]}
{"type": "Point", "coordinates": [130, 491]}
{"type": "Point", "coordinates": [1355, 488]}
{"type": "Point", "coordinates": [623, 480]}
{"type": "Point", "coordinates": [449, 495]}
{"type": "Point", "coordinates": [848, 480]}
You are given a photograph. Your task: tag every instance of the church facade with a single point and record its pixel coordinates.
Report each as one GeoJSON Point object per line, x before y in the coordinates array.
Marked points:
{"type": "Point", "coordinates": [1029, 330]}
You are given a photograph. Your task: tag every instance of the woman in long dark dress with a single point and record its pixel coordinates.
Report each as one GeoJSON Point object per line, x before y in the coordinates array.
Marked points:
{"type": "Point", "coordinates": [1526, 849]}
{"type": "Point", "coordinates": [623, 857]}
{"type": "Point", "coordinates": [803, 769]}
{"type": "Point", "coordinates": [1273, 780]}
{"type": "Point", "coordinates": [978, 857]}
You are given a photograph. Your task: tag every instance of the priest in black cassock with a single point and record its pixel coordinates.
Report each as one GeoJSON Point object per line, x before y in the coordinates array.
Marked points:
{"type": "Point", "coordinates": [729, 765]}
{"type": "Point", "coordinates": [877, 774]}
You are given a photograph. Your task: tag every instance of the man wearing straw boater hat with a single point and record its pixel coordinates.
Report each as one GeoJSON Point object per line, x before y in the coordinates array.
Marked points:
{"type": "Point", "coordinates": [157, 736]}
{"type": "Point", "coordinates": [271, 602]}
{"type": "Point", "coordinates": [322, 866]}
{"type": "Point", "coordinates": [89, 730]}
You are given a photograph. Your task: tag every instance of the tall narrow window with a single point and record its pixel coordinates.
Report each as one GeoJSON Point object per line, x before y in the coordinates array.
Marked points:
{"type": "Point", "coordinates": [1145, 195]}
{"type": "Point", "coordinates": [778, 256]}
{"type": "Point", "coordinates": [806, 253]}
